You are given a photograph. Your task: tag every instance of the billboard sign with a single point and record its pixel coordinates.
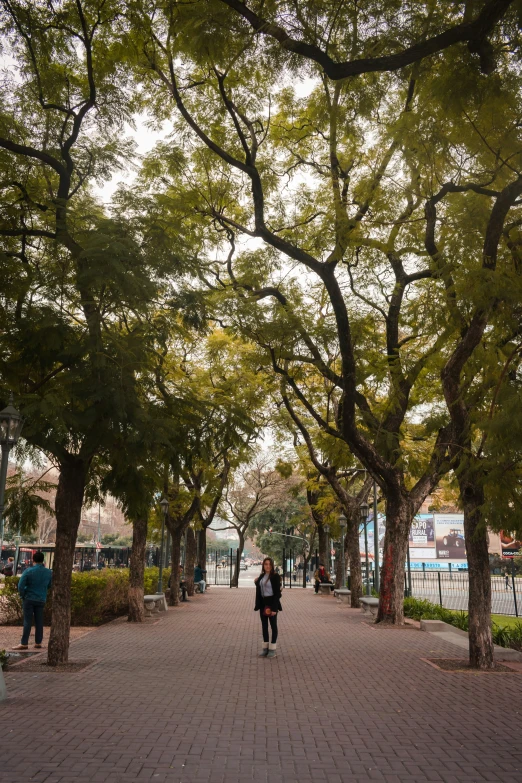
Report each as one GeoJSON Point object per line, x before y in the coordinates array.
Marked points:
{"type": "Point", "coordinates": [422, 535]}
{"type": "Point", "coordinates": [382, 530]}
{"type": "Point", "coordinates": [511, 547]}
{"type": "Point", "coordinates": [449, 536]}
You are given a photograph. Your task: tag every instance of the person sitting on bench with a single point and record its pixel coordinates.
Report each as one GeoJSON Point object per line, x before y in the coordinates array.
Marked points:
{"type": "Point", "coordinates": [199, 578]}
{"type": "Point", "coordinates": [321, 577]}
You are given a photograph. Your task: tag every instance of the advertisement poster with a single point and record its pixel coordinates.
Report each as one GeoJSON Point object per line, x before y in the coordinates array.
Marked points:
{"type": "Point", "coordinates": [449, 536]}
{"type": "Point", "coordinates": [422, 537]}
{"type": "Point", "coordinates": [511, 547]}
{"type": "Point", "coordinates": [382, 531]}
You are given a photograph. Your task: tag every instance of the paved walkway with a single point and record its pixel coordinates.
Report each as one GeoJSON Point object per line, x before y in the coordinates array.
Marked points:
{"type": "Point", "coordinates": [188, 701]}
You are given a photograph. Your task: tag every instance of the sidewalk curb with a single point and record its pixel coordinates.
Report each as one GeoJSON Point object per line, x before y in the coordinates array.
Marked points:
{"type": "Point", "coordinates": [460, 639]}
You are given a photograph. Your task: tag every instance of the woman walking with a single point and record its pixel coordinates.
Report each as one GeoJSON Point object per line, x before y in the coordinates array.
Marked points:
{"type": "Point", "coordinates": [268, 603]}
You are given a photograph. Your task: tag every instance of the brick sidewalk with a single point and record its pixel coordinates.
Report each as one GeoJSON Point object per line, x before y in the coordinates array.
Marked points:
{"type": "Point", "coordinates": [188, 701]}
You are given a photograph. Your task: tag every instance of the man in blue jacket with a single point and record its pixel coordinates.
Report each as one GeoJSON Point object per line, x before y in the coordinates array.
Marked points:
{"type": "Point", "coordinates": [33, 586]}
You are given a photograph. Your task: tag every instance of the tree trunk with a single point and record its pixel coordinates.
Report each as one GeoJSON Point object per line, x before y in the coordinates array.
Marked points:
{"type": "Point", "coordinates": [241, 546]}
{"type": "Point", "coordinates": [323, 554]}
{"type": "Point", "coordinates": [391, 599]}
{"type": "Point", "coordinates": [136, 571]}
{"type": "Point", "coordinates": [338, 575]}
{"type": "Point", "coordinates": [202, 547]}
{"type": "Point", "coordinates": [353, 555]}
{"type": "Point", "coordinates": [481, 652]}
{"type": "Point", "coordinates": [176, 533]}
{"type": "Point", "coordinates": [190, 560]}
{"type": "Point", "coordinates": [68, 508]}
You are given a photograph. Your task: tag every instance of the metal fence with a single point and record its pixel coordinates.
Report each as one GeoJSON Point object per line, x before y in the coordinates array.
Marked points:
{"type": "Point", "coordinates": [220, 567]}
{"type": "Point", "coordinates": [451, 590]}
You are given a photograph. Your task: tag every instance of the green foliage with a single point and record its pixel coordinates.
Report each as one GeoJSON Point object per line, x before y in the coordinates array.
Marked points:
{"type": "Point", "coordinates": [116, 539]}
{"type": "Point", "coordinates": [150, 580]}
{"type": "Point", "coordinates": [23, 502]}
{"type": "Point", "coordinates": [421, 609]}
{"type": "Point", "coordinates": [96, 596]}
{"type": "Point", "coordinates": [4, 659]}
{"type": "Point", "coordinates": [503, 635]}
{"type": "Point", "coordinates": [10, 602]}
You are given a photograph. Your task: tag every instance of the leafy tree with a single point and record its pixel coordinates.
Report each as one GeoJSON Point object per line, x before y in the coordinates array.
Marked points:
{"type": "Point", "coordinates": [351, 227]}
{"type": "Point", "coordinates": [23, 501]}
{"type": "Point", "coordinates": [223, 402]}
{"type": "Point", "coordinates": [257, 488]}
{"type": "Point", "coordinates": [116, 539]}
{"type": "Point", "coordinates": [288, 525]}
{"type": "Point", "coordinates": [78, 282]}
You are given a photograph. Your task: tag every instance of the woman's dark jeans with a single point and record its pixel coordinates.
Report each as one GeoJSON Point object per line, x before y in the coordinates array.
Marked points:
{"type": "Point", "coordinates": [272, 619]}
{"type": "Point", "coordinates": [36, 609]}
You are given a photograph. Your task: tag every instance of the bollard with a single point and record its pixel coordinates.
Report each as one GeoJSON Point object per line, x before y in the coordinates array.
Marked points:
{"type": "Point", "coordinates": [440, 588]}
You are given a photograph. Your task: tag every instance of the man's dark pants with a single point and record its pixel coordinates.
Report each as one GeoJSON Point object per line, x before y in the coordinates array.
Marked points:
{"type": "Point", "coordinates": [33, 609]}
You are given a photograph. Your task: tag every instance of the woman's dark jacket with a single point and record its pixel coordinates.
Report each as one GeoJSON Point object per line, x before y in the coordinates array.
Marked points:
{"type": "Point", "coordinates": [273, 601]}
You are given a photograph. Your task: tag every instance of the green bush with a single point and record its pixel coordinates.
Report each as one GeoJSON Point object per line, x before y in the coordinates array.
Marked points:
{"type": "Point", "coordinates": [420, 609]}
{"type": "Point", "coordinates": [10, 603]}
{"type": "Point", "coordinates": [4, 659]}
{"type": "Point", "coordinates": [150, 581]}
{"type": "Point", "coordinates": [96, 596]}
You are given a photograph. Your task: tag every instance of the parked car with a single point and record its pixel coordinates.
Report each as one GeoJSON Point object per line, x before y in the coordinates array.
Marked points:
{"type": "Point", "coordinates": [243, 567]}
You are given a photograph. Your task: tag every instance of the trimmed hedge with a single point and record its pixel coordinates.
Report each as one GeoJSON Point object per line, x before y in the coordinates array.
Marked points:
{"type": "Point", "coordinates": [420, 609]}
{"type": "Point", "coordinates": [96, 596]}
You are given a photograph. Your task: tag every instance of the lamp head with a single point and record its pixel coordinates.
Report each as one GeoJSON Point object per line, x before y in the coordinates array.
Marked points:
{"type": "Point", "coordinates": [11, 423]}
{"type": "Point", "coordinates": [363, 510]}
{"type": "Point", "coordinates": [342, 521]}
{"type": "Point", "coordinates": [164, 503]}
{"type": "Point", "coordinates": [326, 528]}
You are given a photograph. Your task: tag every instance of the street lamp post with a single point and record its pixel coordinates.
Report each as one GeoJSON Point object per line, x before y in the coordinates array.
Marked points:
{"type": "Point", "coordinates": [11, 423]}
{"type": "Point", "coordinates": [164, 503]}
{"type": "Point", "coordinates": [343, 523]}
{"type": "Point", "coordinates": [363, 510]}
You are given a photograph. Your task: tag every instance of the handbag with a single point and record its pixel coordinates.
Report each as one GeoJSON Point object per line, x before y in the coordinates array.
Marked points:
{"type": "Point", "coordinates": [267, 611]}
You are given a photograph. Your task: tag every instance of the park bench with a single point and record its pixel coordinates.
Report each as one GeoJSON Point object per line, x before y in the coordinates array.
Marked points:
{"type": "Point", "coordinates": [197, 588]}
{"type": "Point", "coordinates": [369, 605]}
{"type": "Point", "coordinates": [343, 595]}
{"type": "Point", "coordinates": [325, 588]}
{"type": "Point", "coordinates": [154, 603]}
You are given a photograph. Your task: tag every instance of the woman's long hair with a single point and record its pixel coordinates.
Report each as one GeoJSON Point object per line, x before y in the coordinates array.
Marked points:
{"type": "Point", "coordinates": [272, 568]}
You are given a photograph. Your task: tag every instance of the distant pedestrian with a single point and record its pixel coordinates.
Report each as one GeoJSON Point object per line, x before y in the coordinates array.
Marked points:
{"type": "Point", "coordinates": [8, 569]}
{"type": "Point", "coordinates": [199, 578]}
{"type": "Point", "coordinates": [321, 577]}
{"type": "Point", "coordinates": [507, 581]}
{"type": "Point", "coordinates": [32, 587]}
{"type": "Point", "coordinates": [268, 604]}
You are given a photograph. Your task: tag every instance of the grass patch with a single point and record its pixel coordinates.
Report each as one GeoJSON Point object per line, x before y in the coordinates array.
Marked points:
{"type": "Point", "coordinates": [505, 620]}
